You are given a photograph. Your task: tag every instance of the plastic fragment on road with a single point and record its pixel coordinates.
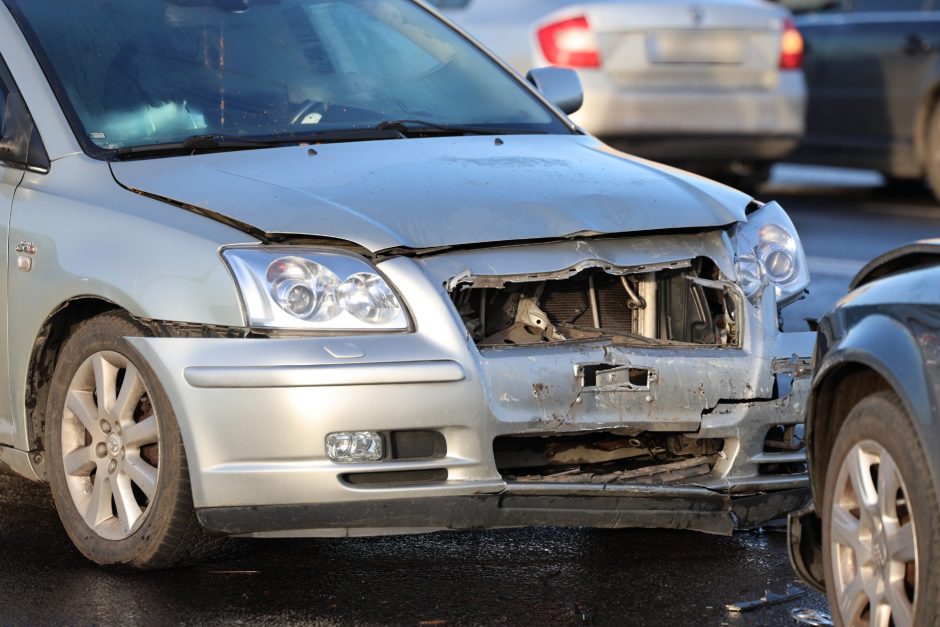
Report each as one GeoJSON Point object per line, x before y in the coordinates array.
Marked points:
{"type": "Point", "coordinates": [809, 616]}
{"type": "Point", "coordinates": [769, 598]}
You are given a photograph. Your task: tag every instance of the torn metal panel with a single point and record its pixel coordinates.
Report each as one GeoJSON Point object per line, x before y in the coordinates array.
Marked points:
{"type": "Point", "coordinates": [632, 254]}
{"type": "Point", "coordinates": [550, 387]}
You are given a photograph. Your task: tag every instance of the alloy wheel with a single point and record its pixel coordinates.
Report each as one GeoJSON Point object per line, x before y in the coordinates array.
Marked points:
{"type": "Point", "coordinates": [110, 445]}
{"type": "Point", "coordinates": [873, 540]}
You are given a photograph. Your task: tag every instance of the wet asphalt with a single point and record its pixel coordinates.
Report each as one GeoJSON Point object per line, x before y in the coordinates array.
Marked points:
{"type": "Point", "coordinates": [538, 576]}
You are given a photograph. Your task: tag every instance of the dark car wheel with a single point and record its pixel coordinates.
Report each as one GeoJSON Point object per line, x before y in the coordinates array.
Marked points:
{"type": "Point", "coordinates": [932, 158]}
{"type": "Point", "coordinates": [881, 522]}
{"type": "Point", "coordinates": [117, 467]}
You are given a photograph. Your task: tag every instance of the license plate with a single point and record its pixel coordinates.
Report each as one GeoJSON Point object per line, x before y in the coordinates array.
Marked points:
{"type": "Point", "coordinates": [726, 47]}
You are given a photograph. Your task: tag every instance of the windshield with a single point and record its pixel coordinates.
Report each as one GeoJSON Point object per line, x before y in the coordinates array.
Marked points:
{"type": "Point", "coordinates": [145, 72]}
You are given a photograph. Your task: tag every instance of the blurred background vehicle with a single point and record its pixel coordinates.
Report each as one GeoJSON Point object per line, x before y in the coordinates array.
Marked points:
{"type": "Point", "coordinates": [873, 447]}
{"type": "Point", "coordinates": [873, 84]}
{"type": "Point", "coordinates": [714, 86]}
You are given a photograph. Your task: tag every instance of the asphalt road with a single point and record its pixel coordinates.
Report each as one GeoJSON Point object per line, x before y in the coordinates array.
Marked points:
{"type": "Point", "coordinates": [517, 577]}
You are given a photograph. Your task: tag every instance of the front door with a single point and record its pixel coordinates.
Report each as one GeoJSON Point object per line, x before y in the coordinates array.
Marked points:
{"type": "Point", "coordinates": [11, 174]}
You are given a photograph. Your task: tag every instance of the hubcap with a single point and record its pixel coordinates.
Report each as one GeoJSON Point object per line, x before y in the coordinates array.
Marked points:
{"type": "Point", "coordinates": [115, 445]}
{"type": "Point", "coordinates": [110, 445]}
{"type": "Point", "coordinates": [874, 544]}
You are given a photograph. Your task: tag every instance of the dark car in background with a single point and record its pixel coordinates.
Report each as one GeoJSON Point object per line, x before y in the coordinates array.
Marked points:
{"type": "Point", "coordinates": [873, 447]}
{"type": "Point", "coordinates": [873, 77]}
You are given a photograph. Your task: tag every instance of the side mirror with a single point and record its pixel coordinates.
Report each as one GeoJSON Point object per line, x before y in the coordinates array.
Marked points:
{"type": "Point", "coordinates": [560, 86]}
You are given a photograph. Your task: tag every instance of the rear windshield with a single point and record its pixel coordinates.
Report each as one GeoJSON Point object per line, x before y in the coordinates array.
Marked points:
{"type": "Point", "coordinates": [142, 72]}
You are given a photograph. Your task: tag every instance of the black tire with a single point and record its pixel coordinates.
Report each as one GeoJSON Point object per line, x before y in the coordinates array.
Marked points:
{"type": "Point", "coordinates": [903, 184]}
{"type": "Point", "coordinates": [881, 419]}
{"type": "Point", "coordinates": [166, 532]}
{"type": "Point", "coordinates": [746, 177]}
{"type": "Point", "coordinates": [932, 158]}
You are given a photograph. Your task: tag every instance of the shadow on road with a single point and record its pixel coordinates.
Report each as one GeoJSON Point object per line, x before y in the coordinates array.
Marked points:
{"type": "Point", "coordinates": [518, 577]}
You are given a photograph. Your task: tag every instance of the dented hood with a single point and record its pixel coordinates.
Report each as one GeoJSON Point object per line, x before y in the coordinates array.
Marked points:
{"type": "Point", "coordinates": [432, 192]}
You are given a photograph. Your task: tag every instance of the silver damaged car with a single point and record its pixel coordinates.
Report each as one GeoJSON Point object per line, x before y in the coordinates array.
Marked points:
{"type": "Point", "coordinates": [326, 268]}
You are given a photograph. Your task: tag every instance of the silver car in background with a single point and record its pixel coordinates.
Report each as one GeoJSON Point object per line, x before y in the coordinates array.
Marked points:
{"type": "Point", "coordinates": [715, 85]}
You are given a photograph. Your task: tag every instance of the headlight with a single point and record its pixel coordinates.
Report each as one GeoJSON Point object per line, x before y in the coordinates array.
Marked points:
{"type": "Point", "coordinates": [285, 288]}
{"type": "Point", "coordinates": [769, 252]}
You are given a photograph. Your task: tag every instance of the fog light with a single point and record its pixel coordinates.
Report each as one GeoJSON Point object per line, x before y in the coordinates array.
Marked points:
{"type": "Point", "coordinates": [349, 447]}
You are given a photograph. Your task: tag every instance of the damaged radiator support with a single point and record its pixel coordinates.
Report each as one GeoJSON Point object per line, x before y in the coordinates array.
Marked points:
{"type": "Point", "coordinates": [681, 303]}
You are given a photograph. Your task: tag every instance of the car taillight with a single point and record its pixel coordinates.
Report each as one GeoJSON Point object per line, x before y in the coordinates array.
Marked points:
{"type": "Point", "coordinates": [791, 47]}
{"type": "Point", "coordinates": [570, 43]}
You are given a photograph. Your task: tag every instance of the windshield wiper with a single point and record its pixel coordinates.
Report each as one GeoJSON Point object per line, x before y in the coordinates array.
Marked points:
{"type": "Point", "coordinates": [197, 143]}
{"type": "Point", "coordinates": [388, 129]}
{"type": "Point", "coordinates": [214, 142]}
{"type": "Point", "coordinates": [423, 127]}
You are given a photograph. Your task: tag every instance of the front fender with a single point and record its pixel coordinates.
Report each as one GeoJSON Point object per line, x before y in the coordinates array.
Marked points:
{"type": "Point", "coordinates": [888, 347]}
{"type": "Point", "coordinates": [92, 238]}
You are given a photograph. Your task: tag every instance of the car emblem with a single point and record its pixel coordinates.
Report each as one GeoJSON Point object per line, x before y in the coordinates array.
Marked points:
{"type": "Point", "coordinates": [698, 15]}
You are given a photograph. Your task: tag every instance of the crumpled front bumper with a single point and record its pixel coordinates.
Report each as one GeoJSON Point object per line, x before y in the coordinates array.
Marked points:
{"type": "Point", "coordinates": [254, 415]}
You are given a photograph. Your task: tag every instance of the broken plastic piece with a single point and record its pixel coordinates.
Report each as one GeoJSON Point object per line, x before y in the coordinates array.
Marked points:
{"type": "Point", "coordinates": [809, 616]}
{"type": "Point", "coordinates": [769, 598]}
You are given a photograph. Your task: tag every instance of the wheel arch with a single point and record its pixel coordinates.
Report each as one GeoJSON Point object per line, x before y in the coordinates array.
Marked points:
{"type": "Point", "coordinates": [879, 353]}
{"type": "Point", "coordinates": [55, 329]}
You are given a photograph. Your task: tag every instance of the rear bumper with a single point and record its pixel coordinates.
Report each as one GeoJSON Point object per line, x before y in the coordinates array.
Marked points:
{"type": "Point", "coordinates": [705, 149]}
{"type": "Point", "coordinates": [764, 123]}
{"type": "Point", "coordinates": [517, 505]}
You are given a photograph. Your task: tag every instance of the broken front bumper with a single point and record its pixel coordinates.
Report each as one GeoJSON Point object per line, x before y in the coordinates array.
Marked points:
{"type": "Point", "coordinates": [255, 414]}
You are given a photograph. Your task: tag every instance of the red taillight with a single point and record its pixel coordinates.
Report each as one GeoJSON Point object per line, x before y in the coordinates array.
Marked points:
{"type": "Point", "coordinates": [791, 47]}
{"type": "Point", "coordinates": [570, 43]}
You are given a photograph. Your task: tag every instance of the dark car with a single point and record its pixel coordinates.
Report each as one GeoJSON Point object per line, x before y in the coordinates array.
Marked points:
{"type": "Point", "coordinates": [873, 447]}
{"type": "Point", "coordinates": [873, 76]}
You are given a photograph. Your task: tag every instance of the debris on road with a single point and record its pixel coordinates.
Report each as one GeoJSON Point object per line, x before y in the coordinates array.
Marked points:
{"type": "Point", "coordinates": [809, 616]}
{"type": "Point", "coordinates": [769, 598]}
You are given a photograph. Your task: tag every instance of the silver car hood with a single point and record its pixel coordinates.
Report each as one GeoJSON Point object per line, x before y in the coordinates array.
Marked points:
{"type": "Point", "coordinates": [433, 192]}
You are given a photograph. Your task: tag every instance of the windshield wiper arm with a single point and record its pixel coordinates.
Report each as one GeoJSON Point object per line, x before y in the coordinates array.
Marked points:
{"type": "Point", "coordinates": [197, 143]}
{"type": "Point", "coordinates": [214, 142]}
{"type": "Point", "coordinates": [411, 127]}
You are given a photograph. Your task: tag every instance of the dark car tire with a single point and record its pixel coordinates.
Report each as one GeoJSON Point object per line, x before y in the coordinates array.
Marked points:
{"type": "Point", "coordinates": [880, 424]}
{"type": "Point", "coordinates": [932, 158]}
{"type": "Point", "coordinates": [903, 184]}
{"type": "Point", "coordinates": [151, 458]}
{"type": "Point", "coordinates": [746, 176]}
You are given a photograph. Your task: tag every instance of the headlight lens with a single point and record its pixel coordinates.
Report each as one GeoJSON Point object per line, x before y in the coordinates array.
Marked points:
{"type": "Point", "coordinates": [285, 288]}
{"type": "Point", "coordinates": [769, 252]}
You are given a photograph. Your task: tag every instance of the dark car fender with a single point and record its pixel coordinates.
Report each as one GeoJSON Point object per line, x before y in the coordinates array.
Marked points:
{"type": "Point", "coordinates": [886, 346]}
{"type": "Point", "coordinates": [879, 343]}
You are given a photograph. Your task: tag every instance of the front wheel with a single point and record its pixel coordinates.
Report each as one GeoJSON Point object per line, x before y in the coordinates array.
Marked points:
{"type": "Point", "coordinates": [881, 523]}
{"type": "Point", "coordinates": [117, 467]}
